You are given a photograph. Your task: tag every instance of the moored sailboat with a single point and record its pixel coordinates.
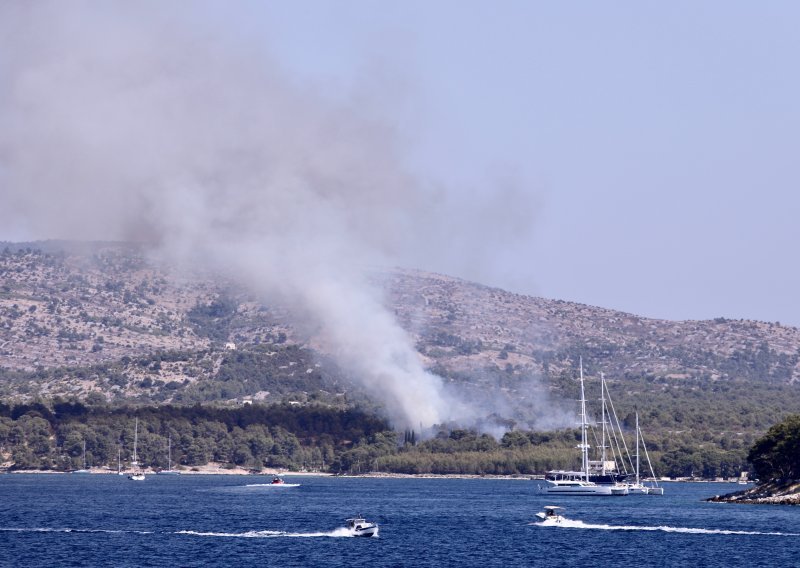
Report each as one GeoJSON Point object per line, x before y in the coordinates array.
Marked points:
{"type": "Point", "coordinates": [137, 474]}
{"type": "Point", "coordinates": [639, 488]}
{"type": "Point", "coordinates": [169, 470]}
{"type": "Point", "coordinates": [578, 483]}
{"type": "Point", "coordinates": [84, 469]}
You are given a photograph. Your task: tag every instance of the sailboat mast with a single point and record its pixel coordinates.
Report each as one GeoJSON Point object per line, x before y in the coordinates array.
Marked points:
{"type": "Point", "coordinates": [135, 440]}
{"type": "Point", "coordinates": [584, 445]}
{"type": "Point", "coordinates": [603, 421]}
{"type": "Point", "coordinates": [638, 434]}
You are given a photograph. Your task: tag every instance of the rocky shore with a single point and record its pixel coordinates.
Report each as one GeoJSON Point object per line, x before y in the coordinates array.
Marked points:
{"type": "Point", "coordinates": [771, 493]}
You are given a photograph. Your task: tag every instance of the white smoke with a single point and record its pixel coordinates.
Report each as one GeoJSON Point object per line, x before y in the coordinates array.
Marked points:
{"type": "Point", "coordinates": [150, 122]}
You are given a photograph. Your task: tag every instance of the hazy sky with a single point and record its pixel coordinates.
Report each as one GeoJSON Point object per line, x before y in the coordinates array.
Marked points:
{"type": "Point", "coordinates": [660, 139]}
{"type": "Point", "coordinates": [640, 156]}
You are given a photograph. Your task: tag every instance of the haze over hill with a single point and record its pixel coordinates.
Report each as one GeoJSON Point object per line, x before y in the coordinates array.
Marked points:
{"type": "Point", "coordinates": [102, 318]}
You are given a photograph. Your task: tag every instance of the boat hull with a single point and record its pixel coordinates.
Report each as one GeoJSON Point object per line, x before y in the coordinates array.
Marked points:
{"type": "Point", "coordinates": [367, 531]}
{"type": "Point", "coordinates": [583, 488]}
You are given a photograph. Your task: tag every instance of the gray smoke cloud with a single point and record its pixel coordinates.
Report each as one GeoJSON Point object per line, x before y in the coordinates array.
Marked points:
{"type": "Point", "coordinates": [150, 122]}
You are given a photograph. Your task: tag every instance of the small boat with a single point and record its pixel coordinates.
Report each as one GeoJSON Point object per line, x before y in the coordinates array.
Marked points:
{"type": "Point", "coordinates": [551, 515]}
{"type": "Point", "coordinates": [84, 469]}
{"type": "Point", "coordinates": [360, 527]}
{"type": "Point", "coordinates": [136, 475]}
{"type": "Point", "coordinates": [119, 461]}
{"type": "Point", "coordinates": [169, 470]}
{"type": "Point", "coordinates": [276, 482]}
{"type": "Point", "coordinates": [637, 487]}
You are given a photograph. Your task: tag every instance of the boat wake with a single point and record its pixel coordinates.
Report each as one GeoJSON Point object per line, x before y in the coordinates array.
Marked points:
{"type": "Point", "coordinates": [273, 485]}
{"type": "Point", "coordinates": [570, 524]}
{"type": "Point", "coordinates": [341, 532]}
{"type": "Point", "coordinates": [69, 530]}
{"type": "Point", "coordinates": [338, 533]}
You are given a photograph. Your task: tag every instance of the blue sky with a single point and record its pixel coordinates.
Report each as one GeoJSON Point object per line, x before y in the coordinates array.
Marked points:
{"type": "Point", "coordinates": [652, 147]}
{"type": "Point", "coordinates": [659, 140]}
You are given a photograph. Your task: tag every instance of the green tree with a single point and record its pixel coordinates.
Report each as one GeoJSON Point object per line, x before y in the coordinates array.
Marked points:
{"type": "Point", "coordinates": [777, 454]}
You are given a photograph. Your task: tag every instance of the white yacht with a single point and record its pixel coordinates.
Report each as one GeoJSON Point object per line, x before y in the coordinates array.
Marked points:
{"type": "Point", "coordinates": [574, 483]}
{"type": "Point", "coordinates": [360, 527]}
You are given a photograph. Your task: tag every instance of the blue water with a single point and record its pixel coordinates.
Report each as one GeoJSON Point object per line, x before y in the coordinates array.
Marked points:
{"type": "Point", "coordinates": [182, 521]}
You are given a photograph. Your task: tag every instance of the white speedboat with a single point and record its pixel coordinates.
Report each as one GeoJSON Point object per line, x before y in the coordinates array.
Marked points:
{"type": "Point", "coordinates": [551, 515]}
{"type": "Point", "coordinates": [360, 527]}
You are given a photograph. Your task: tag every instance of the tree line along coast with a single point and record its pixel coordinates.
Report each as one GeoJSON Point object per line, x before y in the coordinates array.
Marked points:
{"type": "Point", "coordinates": [65, 435]}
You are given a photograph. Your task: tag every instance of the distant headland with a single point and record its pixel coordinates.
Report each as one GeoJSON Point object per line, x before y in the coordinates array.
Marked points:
{"type": "Point", "coordinates": [772, 493]}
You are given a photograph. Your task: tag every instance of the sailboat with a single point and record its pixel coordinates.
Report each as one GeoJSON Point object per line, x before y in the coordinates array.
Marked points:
{"type": "Point", "coordinates": [119, 461]}
{"type": "Point", "coordinates": [136, 475]}
{"type": "Point", "coordinates": [578, 483]}
{"type": "Point", "coordinates": [85, 469]}
{"type": "Point", "coordinates": [169, 470]}
{"type": "Point", "coordinates": [638, 488]}
{"type": "Point", "coordinates": [605, 471]}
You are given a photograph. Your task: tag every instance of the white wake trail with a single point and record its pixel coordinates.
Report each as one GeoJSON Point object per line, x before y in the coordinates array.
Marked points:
{"type": "Point", "coordinates": [69, 530]}
{"type": "Point", "coordinates": [338, 533]}
{"type": "Point", "coordinates": [570, 524]}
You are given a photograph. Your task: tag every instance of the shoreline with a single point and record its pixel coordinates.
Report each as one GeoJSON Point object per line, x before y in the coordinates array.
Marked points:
{"type": "Point", "coordinates": [216, 469]}
{"type": "Point", "coordinates": [771, 493]}
{"type": "Point", "coordinates": [210, 469]}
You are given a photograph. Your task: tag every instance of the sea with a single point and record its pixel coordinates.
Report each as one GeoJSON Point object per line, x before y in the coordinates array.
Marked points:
{"type": "Point", "coordinates": [223, 520]}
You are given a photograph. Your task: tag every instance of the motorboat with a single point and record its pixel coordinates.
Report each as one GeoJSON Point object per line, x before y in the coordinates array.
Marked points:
{"type": "Point", "coordinates": [551, 515]}
{"type": "Point", "coordinates": [360, 527]}
{"type": "Point", "coordinates": [276, 482]}
{"type": "Point", "coordinates": [136, 477]}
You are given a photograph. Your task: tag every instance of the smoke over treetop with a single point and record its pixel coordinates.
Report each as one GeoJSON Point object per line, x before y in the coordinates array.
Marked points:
{"type": "Point", "coordinates": [136, 122]}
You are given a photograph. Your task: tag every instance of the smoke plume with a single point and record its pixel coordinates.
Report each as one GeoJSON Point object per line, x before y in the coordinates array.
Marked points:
{"type": "Point", "coordinates": [154, 123]}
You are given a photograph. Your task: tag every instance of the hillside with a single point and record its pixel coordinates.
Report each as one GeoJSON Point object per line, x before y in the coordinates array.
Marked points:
{"type": "Point", "coordinates": [103, 319]}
